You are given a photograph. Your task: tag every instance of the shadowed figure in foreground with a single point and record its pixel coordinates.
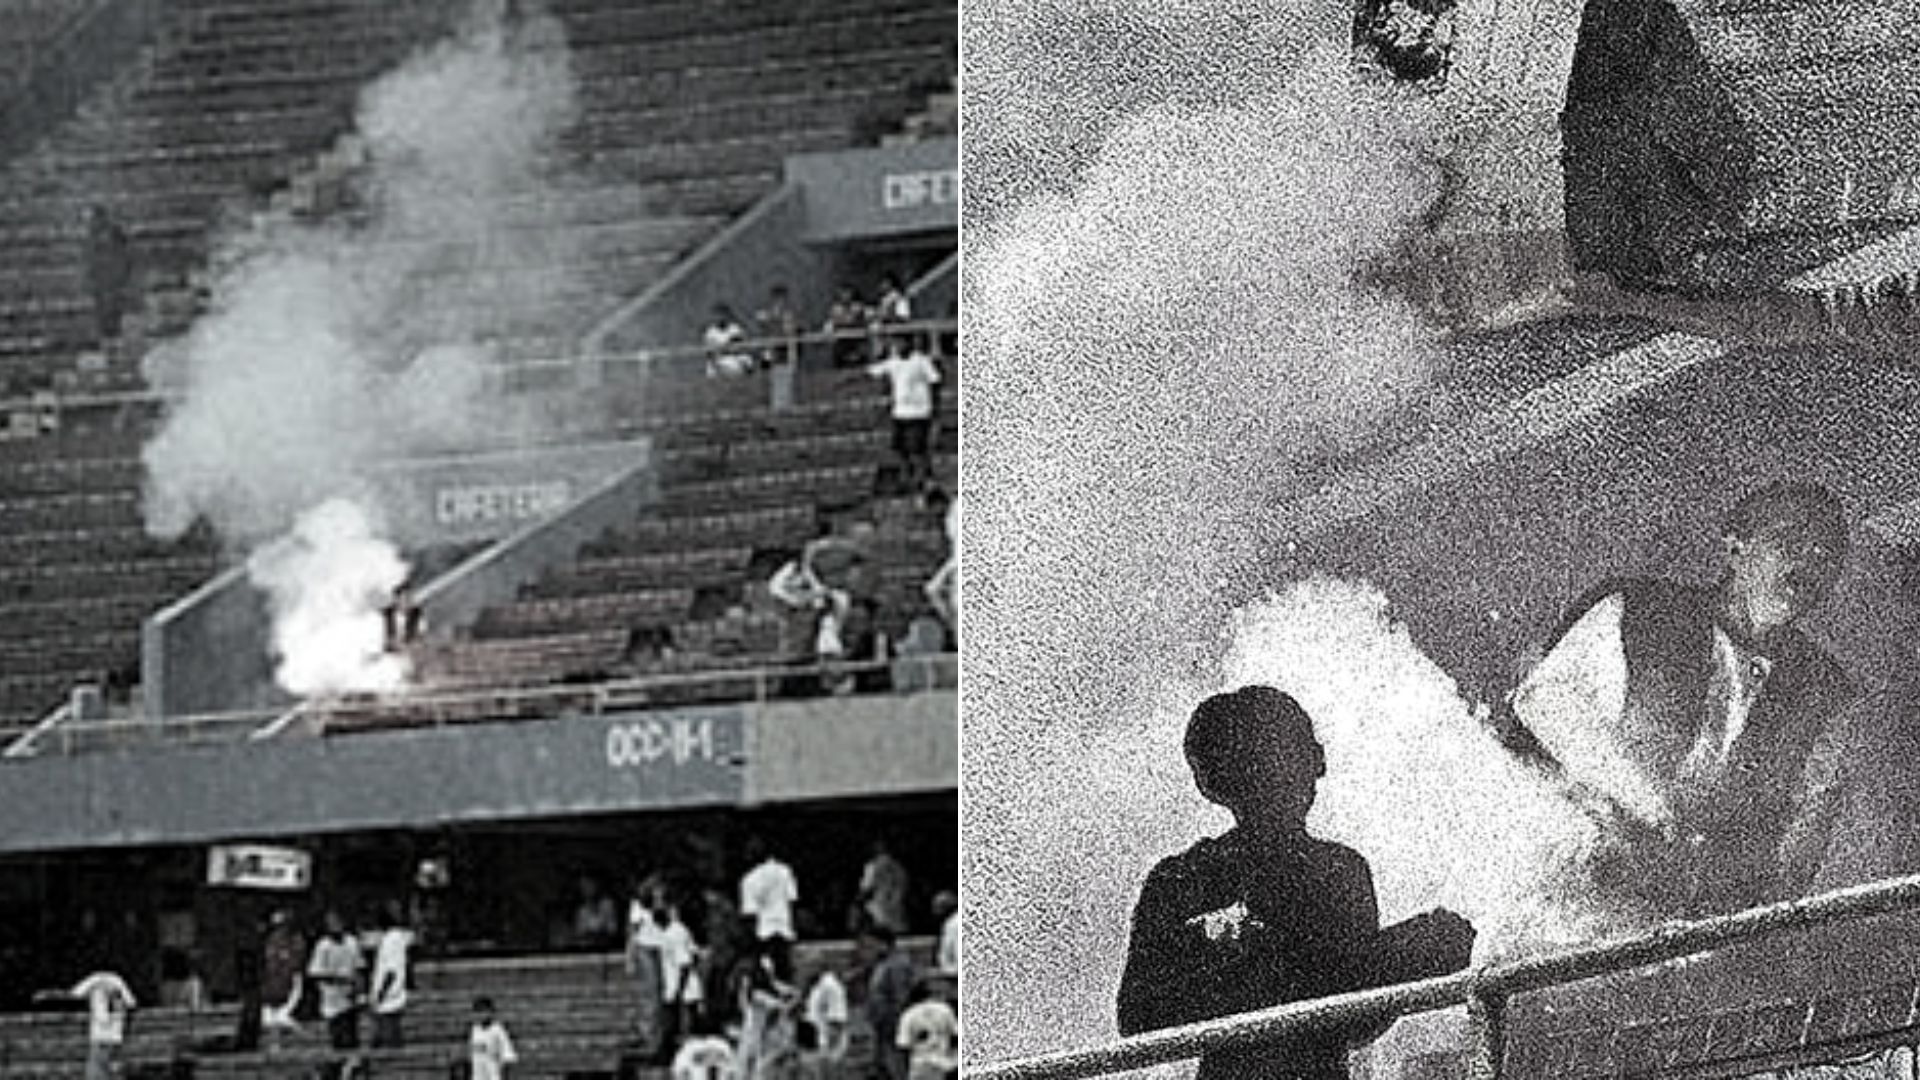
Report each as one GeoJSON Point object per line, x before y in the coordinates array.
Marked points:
{"type": "Point", "coordinates": [1267, 914]}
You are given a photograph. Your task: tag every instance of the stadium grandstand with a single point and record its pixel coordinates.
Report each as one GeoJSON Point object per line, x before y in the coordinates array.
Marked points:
{"type": "Point", "coordinates": [407, 310]}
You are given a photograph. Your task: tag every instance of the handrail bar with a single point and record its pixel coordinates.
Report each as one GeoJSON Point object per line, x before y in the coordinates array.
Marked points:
{"type": "Point", "coordinates": [58, 401]}
{"type": "Point", "coordinates": [1488, 986]}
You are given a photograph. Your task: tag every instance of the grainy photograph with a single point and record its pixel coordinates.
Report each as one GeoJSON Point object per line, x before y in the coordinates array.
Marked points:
{"type": "Point", "coordinates": [1442, 533]}
{"type": "Point", "coordinates": [478, 569]}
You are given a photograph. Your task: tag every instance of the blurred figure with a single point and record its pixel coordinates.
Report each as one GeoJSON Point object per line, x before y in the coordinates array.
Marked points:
{"type": "Point", "coordinates": [930, 1034]}
{"type": "Point", "coordinates": [596, 922]}
{"type": "Point", "coordinates": [109, 271]}
{"type": "Point", "coordinates": [894, 305]}
{"type": "Point", "coordinates": [1698, 724]}
{"type": "Point", "coordinates": [946, 909]}
{"type": "Point", "coordinates": [847, 322]}
{"type": "Point", "coordinates": [280, 976]}
{"type": "Point", "coordinates": [489, 1047]}
{"type": "Point", "coordinates": [883, 890]}
{"type": "Point", "coordinates": [335, 968]}
{"type": "Point", "coordinates": [390, 977]}
{"type": "Point", "coordinates": [889, 988]}
{"type": "Point", "coordinates": [110, 1003]}
{"type": "Point", "coordinates": [645, 936]}
{"type": "Point", "coordinates": [767, 894]}
{"type": "Point", "coordinates": [726, 355]}
{"type": "Point", "coordinates": [912, 377]}
{"type": "Point", "coordinates": [826, 1017]}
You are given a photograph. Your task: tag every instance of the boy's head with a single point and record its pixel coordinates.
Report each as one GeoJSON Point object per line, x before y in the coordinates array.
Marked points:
{"type": "Point", "coordinates": [1253, 751]}
{"type": "Point", "coordinates": [1785, 547]}
{"type": "Point", "coordinates": [483, 1009]}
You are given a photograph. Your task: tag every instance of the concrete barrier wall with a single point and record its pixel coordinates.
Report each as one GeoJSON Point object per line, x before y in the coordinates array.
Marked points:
{"type": "Point", "coordinates": [496, 574]}
{"type": "Point", "coordinates": [207, 653]}
{"type": "Point", "coordinates": [724, 755]}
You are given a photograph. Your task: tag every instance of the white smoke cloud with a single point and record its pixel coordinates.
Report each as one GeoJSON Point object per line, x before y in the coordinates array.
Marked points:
{"type": "Point", "coordinates": [333, 348]}
{"type": "Point", "coordinates": [1171, 316]}
{"type": "Point", "coordinates": [326, 582]}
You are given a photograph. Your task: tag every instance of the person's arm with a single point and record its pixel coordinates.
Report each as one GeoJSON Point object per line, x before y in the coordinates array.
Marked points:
{"type": "Point", "coordinates": [1174, 971]}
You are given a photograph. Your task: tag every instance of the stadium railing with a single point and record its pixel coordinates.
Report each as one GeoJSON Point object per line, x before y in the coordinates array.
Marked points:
{"type": "Point", "coordinates": [346, 714]}
{"type": "Point", "coordinates": [1484, 991]}
{"type": "Point", "coordinates": [688, 360]}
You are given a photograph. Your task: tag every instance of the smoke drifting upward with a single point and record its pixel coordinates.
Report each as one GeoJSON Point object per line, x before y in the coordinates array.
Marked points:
{"type": "Point", "coordinates": [333, 347]}
{"type": "Point", "coordinates": [1164, 328]}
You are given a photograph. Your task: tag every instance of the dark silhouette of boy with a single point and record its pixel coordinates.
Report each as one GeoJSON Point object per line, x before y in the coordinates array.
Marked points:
{"type": "Point", "coordinates": [1267, 914]}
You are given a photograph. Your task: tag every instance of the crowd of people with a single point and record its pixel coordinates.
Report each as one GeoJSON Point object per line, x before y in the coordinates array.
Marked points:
{"type": "Point", "coordinates": [771, 338]}
{"type": "Point", "coordinates": [730, 999]}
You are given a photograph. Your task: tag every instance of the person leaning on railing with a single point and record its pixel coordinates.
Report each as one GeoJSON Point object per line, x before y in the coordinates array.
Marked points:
{"type": "Point", "coordinates": [1267, 914]}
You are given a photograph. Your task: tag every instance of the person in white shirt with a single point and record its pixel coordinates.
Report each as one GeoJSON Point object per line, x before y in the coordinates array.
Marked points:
{"type": "Point", "coordinates": [680, 984]}
{"type": "Point", "coordinates": [724, 335]}
{"type": "Point", "coordinates": [390, 979]}
{"type": "Point", "coordinates": [645, 938]}
{"type": "Point", "coordinates": [930, 1034]}
{"type": "Point", "coordinates": [705, 1057]}
{"type": "Point", "coordinates": [912, 376]}
{"type": "Point", "coordinates": [335, 969]}
{"type": "Point", "coordinates": [946, 908]}
{"type": "Point", "coordinates": [489, 1048]}
{"type": "Point", "coordinates": [826, 1012]}
{"type": "Point", "coordinates": [109, 1003]}
{"type": "Point", "coordinates": [767, 895]}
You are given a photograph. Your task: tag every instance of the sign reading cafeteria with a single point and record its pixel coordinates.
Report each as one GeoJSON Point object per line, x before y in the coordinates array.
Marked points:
{"type": "Point", "coordinates": [259, 866]}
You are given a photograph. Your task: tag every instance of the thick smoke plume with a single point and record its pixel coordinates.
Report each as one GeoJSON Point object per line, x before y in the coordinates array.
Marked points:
{"type": "Point", "coordinates": [1170, 319]}
{"type": "Point", "coordinates": [333, 347]}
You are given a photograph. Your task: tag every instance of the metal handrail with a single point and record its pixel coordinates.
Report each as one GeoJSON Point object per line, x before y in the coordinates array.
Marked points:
{"type": "Point", "coordinates": [1484, 991]}
{"type": "Point", "coordinates": [58, 402]}
{"type": "Point", "coordinates": [601, 697]}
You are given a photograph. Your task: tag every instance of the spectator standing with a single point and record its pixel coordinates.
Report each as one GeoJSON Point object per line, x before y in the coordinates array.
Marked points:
{"type": "Point", "coordinates": [489, 1047]}
{"type": "Point", "coordinates": [727, 356]}
{"type": "Point", "coordinates": [779, 326]}
{"type": "Point", "coordinates": [889, 988]}
{"type": "Point", "coordinates": [883, 890]}
{"type": "Point", "coordinates": [894, 305]}
{"type": "Point", "coordinates": [943, 588]}
{"type": "Point", "coordinates": [596, 922]}
{"type": "Point", "coordinates": [912, 376]}
{"type": "Point", "coordinates": [282, 953]}
{"type": "Point", "coordinates": [109, 271]}
{"type": "Point", "coordinates": [766, 1011]}
{"type": "Point", "coordinates": [109, 1004]}
{"type": "Point", "coordinates": [402, 618]}
{"type": "Point", "coordinates": [335, 968]}
{"type": "Point", "coordinates": [946, 908]}
{"type": "Point", "coordinates": [767, 895]}
{"type": "Point", "coordinates": [847, 322]}
{"type": "Point", "coordinates": [680, 986]}
{"type": "Point", "coordinates": [390, 976]}
{"type": "Point", "coordinates": [826, 1014]}
{"type": "Point", "coordinates": [930, 1034]}
{"type": "Point", "coordinates": [722, 931]}
{"type": "Point", "coordinates": [644, 939]}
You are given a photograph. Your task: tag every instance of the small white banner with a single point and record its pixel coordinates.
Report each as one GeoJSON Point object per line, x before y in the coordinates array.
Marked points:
{"type": "Point", "coordinates": [256, 866]}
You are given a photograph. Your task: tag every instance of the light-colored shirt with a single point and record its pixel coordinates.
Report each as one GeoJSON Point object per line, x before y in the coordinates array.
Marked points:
{"type": "Point", "coordinates": [913, 378]}
{"type": "Point", "coordinates": [490, 1050]}
{"type": "Point", "coordinates": [704, 1058]}
{"type": "Point", "coordinates": [950, 945]}
{"type": "Point", "coordinates": [390, 959]}
{"type": "Point", "coordinates": [884, 883]}
{"type": "Point", "coordinates": [768, 893]}
{"type": "Point", "coordinates": [930, 1034]}
{"type": "Point", "coordinates": [677, 979]}
{"type": "Point", "coordinates": [335, 965]}
{"type": "Point", "coordinates": [827, 1012]}
{"type": "Point", "coordinates": [108, 1003]}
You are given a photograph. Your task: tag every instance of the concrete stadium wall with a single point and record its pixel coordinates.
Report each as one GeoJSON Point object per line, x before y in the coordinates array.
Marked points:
{"type": "Point", "coordinates": [496, 574]}
{"type": "Point", "coordinates": [84, 55]}
{"type": "Point", "coordinates": [708, 756]}
{"type": "Point", "coordinates": [206, 653]}
{"type": "Point", "coordinates": [847, 747]}
{"type": "Point", "coordinates": [879, 192]}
